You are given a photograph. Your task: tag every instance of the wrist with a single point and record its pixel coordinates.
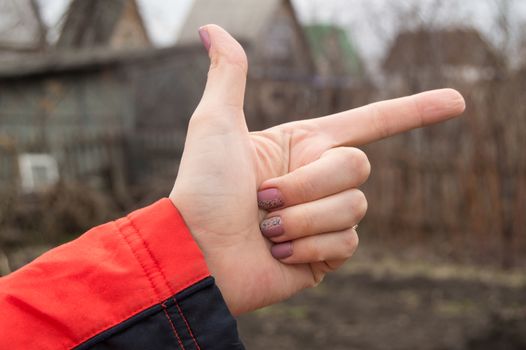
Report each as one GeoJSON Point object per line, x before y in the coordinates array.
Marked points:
{"type": "Point", "coordinates": [213, 257]}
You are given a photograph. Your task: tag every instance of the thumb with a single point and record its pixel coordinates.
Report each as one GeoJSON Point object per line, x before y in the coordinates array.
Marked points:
{"type": "Point", "coordinates": [227, 76]}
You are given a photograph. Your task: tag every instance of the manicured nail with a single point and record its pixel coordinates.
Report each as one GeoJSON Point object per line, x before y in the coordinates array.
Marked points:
{"type": "Point", "coordinates": [270, 199]}
{"type": "Point", "coordinates": [281, 250]}
{"type": "Point", "coordinates": [205, 38]}
{"type": "Point", "coordinates": [271, 227]}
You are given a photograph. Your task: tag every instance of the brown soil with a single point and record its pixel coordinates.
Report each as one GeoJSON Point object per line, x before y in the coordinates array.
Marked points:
{"type": "Point", "coordinates": [397, 306]}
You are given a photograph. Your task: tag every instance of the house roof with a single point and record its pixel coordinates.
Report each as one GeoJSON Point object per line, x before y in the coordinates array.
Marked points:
{"type": "Point", "coordinates": [454, 47]}
{"type": "Point", "coordinates": [243, 19]}
{"type": "Point", "coordinates": [21, 28]}
{"type": "Point", "coordinates": [53, 62]}
{"type": "Point", "coordinates": [92, 23]}
{"type": "Point", "coordinates": [331, 45]}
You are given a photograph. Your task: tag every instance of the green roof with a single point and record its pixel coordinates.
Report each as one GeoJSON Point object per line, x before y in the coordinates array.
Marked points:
{"type": "Point", "coordinates": [319, 36]}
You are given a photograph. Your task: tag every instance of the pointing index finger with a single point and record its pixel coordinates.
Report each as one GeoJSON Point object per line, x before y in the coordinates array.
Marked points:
{"type": "Point", "coordinates": [382, 119]}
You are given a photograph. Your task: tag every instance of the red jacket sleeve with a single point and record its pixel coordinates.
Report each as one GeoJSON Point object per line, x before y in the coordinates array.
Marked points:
{"type": "Point", "coordinates": [78, 293]}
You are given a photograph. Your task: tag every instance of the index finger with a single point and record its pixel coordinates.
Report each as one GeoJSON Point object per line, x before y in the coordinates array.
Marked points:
{"type": "Point", "coordinates": [382, 119]}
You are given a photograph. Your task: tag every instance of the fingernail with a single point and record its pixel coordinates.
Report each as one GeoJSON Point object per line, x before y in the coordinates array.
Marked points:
{"type": "Point", "coordinates": [281, 250]}
{"type": "Point", "coordinates": [271, 227]}
{"type": "Point", "coordinates": [270, 199]}
{"type": "Point", "coordinates": [205, 38]}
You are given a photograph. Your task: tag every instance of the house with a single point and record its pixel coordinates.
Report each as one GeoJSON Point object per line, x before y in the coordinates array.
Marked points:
{"type": "Point", "coordinates": [100, 113]}
{"type": "Point", "coordinates": [281, 65]}
{"type": "Point", "coordinates": [115, 24]}
{"type": "Point", "coordinates": [22, 31]}
{"type": "Point", "coordinates": [428, 58]}
{"type": "Point", "coordinates": [105, 116]}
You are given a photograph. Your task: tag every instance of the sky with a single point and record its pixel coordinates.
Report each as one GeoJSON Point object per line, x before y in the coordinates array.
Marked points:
{"type": "Point", "coordinates": [370, 23]}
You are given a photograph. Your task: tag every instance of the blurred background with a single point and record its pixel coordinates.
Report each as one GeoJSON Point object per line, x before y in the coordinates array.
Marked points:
{"type": "Point", "coordinates": [95, 96]}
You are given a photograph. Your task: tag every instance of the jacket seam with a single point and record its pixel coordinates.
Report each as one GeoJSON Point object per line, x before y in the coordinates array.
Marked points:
{"type": "Point", "coordinates": [143, 267]}
{"type": "Point", "coordinates": [150, 254]}
{"type": "Point", "coordinates": [172, 325]}
{"type": "Point", "coordinates": [158, 266]}
{"type": "Point", "coordinates": [186, 323]}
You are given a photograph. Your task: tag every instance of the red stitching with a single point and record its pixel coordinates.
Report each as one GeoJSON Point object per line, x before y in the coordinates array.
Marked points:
{"type": "Point", "coordinates": [186, 323]}
{"type": "Point", "coordinates": [173, 327]}
{"type": "Point", "coordinates": [187, 283]}
{"type": "Point", "coordinates": [151, 255]}
{"type": "Point", "coordinates": [165, 281]}
{"type": "Point", "coordinates": [139, 260]}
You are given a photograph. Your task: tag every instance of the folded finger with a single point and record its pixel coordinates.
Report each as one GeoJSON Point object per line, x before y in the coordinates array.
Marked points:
{"type": "Point", "coordinates": [336, 170]}
{"type": "Point", "coordinates": [326, 247]}
{"type": "Point", "coordinates": [330, 214]}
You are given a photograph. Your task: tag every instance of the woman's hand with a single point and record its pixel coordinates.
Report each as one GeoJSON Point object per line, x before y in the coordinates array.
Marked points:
{"type": "Point", "coordinates": [306, 173]}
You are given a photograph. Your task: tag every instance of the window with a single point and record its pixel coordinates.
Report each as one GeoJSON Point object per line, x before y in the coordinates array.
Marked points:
{"type": "Point", "coordinates": [37, 172]}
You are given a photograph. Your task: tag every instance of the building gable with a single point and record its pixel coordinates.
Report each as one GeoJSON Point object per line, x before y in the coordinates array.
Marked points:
{"type": "Point", "coordinates": [242, 19]}
{"type": "Point", "coordinates": [281, 49]}
{"type": "Point", "coordinates": [130, 30]}
{"type": "Point", "coordinates": [103, 23]}
{"type": "Point", "coordinates": [21, 28]}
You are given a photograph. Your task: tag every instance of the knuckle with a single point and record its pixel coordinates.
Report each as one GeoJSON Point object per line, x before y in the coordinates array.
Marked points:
{"type": "Point", "coordinates": [305, 223]}
{"type": "Point", "coordinates": [317, 255]}
{"type": "Point", "coordinates": [236, 60]}
{"type": "Point", "coordinates": [379, 119]}
{"type": "Point", "coordinates": [359, 204]}
{"type": "Point", "coordinates": [197, 119]}
{"type": "Point", "coordinates": [314, 254]}
{"type": "Point", "coordinates": [332, 265]}
{"type": "Point", "coordinates": [240, 60]}
{"type": "Point", "coordinates": [356, 161]}
{"type": "Point", "coordinates": [362, 164]}
{"type": "Point", "coordinates": [304, 187]}
{"type": "Point", "coordinates": [350, 242]}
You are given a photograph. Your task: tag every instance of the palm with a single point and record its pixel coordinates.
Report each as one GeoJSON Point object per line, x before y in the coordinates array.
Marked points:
{"type": "Point", "coordinates": [220, 207]}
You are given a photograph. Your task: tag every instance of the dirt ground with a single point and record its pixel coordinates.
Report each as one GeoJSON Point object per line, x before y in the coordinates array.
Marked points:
{"type": "Point", "coordinates": [389, 304]}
